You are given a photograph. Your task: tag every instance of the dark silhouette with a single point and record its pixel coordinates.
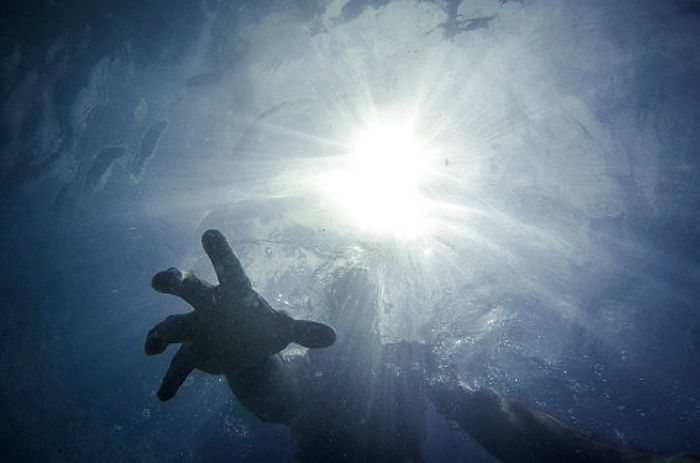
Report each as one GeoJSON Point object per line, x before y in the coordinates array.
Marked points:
{"type": "Point", "coordinates": [233, 331]}
{"type": "Point", "coordinates": [358, 400]}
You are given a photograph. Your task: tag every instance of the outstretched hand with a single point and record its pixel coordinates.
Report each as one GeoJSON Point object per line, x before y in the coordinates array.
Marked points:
{"type": "Point", "coordinates": [232, 328]}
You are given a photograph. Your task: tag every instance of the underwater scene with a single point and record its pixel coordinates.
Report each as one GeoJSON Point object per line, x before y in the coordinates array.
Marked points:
{"type": "Point", "coordinates": [350, 231]}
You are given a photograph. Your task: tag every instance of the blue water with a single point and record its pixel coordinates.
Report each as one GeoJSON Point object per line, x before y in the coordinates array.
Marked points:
{"type": "Point", "coordinates": [557, 261]}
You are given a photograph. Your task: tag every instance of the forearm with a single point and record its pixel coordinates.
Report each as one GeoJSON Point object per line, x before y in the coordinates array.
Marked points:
{"type": "Point", "coordinates": [514, 431]}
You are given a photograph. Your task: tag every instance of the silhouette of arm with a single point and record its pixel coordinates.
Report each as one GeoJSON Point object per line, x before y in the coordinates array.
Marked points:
{"type": "Point", "coordinates": [515, 431]}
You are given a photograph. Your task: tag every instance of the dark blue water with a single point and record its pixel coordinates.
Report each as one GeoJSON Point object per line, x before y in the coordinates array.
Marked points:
{"type": "Point", "coordinates": [550, 247]}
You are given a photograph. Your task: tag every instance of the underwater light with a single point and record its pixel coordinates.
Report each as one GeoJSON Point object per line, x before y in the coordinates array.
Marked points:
{"type": "Point", "coordinates": [378, 187]}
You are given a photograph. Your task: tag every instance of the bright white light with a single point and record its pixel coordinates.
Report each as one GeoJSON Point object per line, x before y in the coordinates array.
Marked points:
{"type": "Point", "coordinates": [378, 187]}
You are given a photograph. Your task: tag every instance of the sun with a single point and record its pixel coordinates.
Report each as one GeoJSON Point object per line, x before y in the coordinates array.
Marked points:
{"type": "Point", "coordinates": [378, 183]}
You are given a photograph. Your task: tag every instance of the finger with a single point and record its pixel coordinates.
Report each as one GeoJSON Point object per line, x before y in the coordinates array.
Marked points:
{"type": "Point", "coordinates": [175, 328]}
{"type": "Point", "coordinates": [313, 335]}
{"type": "Point", "coordinates": [181, 366]}
{"type": "Point", "coordinates": [187, 285]}
{"type": "Point", "coordinates": [226, 265]}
